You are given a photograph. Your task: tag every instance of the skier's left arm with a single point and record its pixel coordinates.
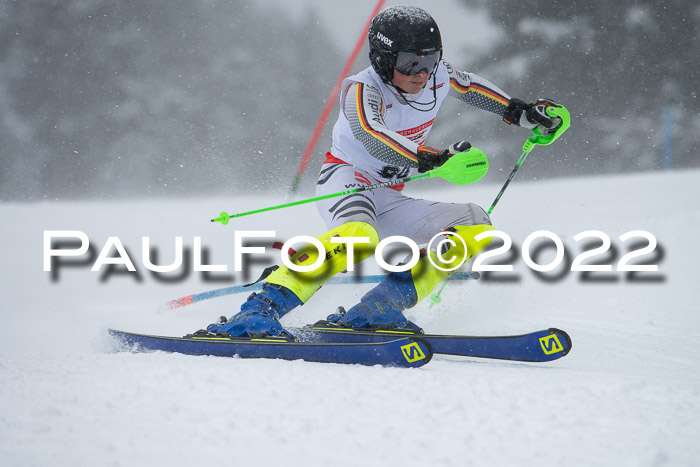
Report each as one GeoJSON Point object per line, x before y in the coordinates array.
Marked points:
{"type": "Point", "coordinates": [480, 92]}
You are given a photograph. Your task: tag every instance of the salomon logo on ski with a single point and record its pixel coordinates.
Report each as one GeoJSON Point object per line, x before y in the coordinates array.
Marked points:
{"type": "Point", "coordinates": [412, 352]}
{"type": "Point", "coordinates": [550, 344]}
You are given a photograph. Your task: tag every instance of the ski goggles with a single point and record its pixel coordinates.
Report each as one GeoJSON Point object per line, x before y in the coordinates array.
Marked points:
{"type": "Point", "coordinates": [408, 63]}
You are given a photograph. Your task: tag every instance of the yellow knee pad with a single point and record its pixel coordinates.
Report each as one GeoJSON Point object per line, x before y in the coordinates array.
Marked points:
{"type": "Point", "coordinates": [426, 275]}
{"type": "Point", "coordinates": [305, 284]}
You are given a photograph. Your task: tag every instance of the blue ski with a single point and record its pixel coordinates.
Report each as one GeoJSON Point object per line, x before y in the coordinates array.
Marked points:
{"type": "Point", "coordinates": [401, 351]}
{"type": "Point", "coordinates": [540, 346]}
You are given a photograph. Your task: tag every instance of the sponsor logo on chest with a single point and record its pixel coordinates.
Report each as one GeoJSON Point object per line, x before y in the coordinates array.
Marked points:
{"type": "Point", "coordinates": [418, 133]}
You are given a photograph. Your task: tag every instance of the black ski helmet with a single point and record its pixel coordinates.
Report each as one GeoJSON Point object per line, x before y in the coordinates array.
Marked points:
{"type": "Point", "coordinates": [401, 29]}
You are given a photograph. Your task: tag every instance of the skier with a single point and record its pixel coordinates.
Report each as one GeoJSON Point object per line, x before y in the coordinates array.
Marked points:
{"type": "Point", "coordinates": [387, 111]}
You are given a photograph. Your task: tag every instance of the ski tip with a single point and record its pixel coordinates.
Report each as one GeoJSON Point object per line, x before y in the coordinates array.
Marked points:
{"type": "Point", "coordinates": [567, 339]}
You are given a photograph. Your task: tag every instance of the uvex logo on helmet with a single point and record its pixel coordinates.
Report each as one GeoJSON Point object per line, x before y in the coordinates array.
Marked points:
{"type": "Point", "coordinates": [384, 39]}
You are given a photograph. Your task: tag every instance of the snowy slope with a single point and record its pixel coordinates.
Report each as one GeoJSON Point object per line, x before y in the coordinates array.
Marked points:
{"type": "Point", "coordinates": [627, 394]}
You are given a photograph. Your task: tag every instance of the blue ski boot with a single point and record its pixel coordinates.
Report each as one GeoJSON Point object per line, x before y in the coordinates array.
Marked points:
{"type": "Point", "coordinates": [261, 313]}
{"type": "Point", "coordinates": [382, 306]}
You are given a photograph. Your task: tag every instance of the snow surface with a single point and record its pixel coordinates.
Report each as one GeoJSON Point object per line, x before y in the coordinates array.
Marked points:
{"type": "Point", "coordinates": [627, 394]}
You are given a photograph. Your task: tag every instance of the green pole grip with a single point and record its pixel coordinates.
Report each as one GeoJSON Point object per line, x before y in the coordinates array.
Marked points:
{"type": "Point", "coordinates": [544, 140]}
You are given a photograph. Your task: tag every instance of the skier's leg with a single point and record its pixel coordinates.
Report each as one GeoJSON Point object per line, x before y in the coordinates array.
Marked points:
{"type": "Point", "coordinates": [285, 289]}
{"type": "Point", "coordinates": [384, 304]}
{"type": "Point", "coordinates": [305, 284]}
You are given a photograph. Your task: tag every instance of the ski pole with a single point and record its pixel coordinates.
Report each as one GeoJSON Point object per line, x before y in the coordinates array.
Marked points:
{"type": "Point", "coordinates": [539, 139]}
{"type": "Point", "coordinates": [510, 177]}
{"type": "Point", "coordinates": [462, 169]}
